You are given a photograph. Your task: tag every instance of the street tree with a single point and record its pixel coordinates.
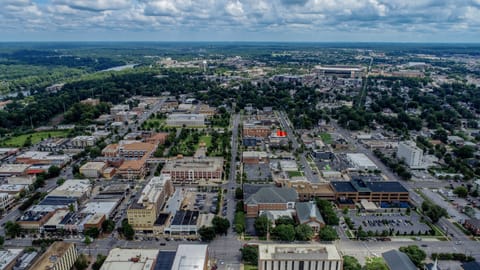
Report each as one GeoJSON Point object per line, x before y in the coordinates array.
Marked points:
{"type": "Point", "coordinates": [327, 233]}
{"type": "Point", "coordinates": [262, 225]}
{"type": "Point", "coordinates": [220, 225]}
{"type": "Point", "coordinates": [303, 232]}
{"type": "Point", "coordinates": [351, 263]}
{"type": "Point", "coordinates": [415, 254]}
{"type": "Point", "coordinates": [207, 234]}
{"type": "Point", "coordinates": [249, 254]}
{"type": "Point", "coordinates": [284, 232]}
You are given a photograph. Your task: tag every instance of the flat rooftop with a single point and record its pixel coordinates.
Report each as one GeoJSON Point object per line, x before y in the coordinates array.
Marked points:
{"type": "Point", "coordinates": [52, 255]}
{"type": "Point", "coordinates": [298, 252]}
{"type": "Point", "coordinates": [190, 257]}
{"type": "Point", "coordinates": [185, 218]}
{"type": "Point", "coordinates": [191, 163]}
{"type": "Point", "coordinates": [130, 259]}
{"type": "Point", "coordinates": [368, 186]}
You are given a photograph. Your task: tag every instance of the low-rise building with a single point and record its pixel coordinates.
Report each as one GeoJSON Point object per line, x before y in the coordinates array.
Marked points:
{"type": "Point", "coordinates": [7, 170]}
{"type": "Point", "coordinates": [191, 257]}
{"type": "Point", "coordinates": [131, 259]}
{"type": "Point", "coordinates": [73, 188]}
{"type": "Point", "coordinates": [43, 158]}
{"type": "Point", "coordinates": [298, 257]}
{"type": "Point", "coordinates": [93, 169]}
{"type": "Point", "coordinates": [361, 162]}
{"type": "Point", "coordinates": [473, 225]}
{"type": "Point", "coordinates": [187, 120]}
{"type": "Point", "coordinates": [135, 149]}
{"type": "Point", "coordinates": [59, 256]}
{"type": "Point", "coordinates": [254, 130]}
{"type": "Point", "coordinates": [185, 222]}
{"type": "Point", "coordinates": [397, 260]}
{"type": "Point", "coordinates": [270, 198]}
{"type": "Point", "coordinates": [8, 258]}
{"type": "Point", "coordinates": [190, 170]}
{"type": "Point", "coordinates": [308, 213]}
{"type": "Point", "coordinates": [133, 169]}
{"type": "Point", "coordinates": [143, 213]}
{"type": "Point", "coordinates": [308, 191]}
{"type": "Point", "coordinates": [254, 157]}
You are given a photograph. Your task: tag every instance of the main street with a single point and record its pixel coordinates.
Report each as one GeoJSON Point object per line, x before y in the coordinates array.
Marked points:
{"type": "Point", "coordinates": [286, 125]}
{"type": "Point", "coordinates": [226, 249]}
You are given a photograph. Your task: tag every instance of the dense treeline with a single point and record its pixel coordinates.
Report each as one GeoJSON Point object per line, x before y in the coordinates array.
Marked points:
{"type": "Point", "coordinates": [108, 87]}
{"type": "Point", "coordinates": [52, 58]}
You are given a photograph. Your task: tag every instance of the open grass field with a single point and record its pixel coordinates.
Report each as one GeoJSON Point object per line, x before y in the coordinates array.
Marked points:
{"type": "Point", "coordinates": [326, 137]}
{"type": "Point", "coordinates": [295, 174]}
{"type": "Point", "coordinates": [207, 139]}
{"type": "Point", "coordinates": [250, 267]}
{"type": "Point", "coordinates": [18, 141]}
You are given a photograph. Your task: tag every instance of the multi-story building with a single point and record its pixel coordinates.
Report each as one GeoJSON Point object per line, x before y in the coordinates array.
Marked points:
{"type": "Point", "coordinates": [6, 201]}
{"type": "Point", "coordinates": [298, 257]}
{"type": "Point", "coordinates": [372, 191]}
{"type": "Point", "coordinates": [308, 191]}
{"type": "Point", "coordinates": [59, 256]}
{"type": "Point", "coordinates": [270, 198]}
{"type": "Point", "coordinates": [135, 149]}
{"type": "Point", "coordinates": [143, 213]}
{"type": "Point", "coordinates": [254, 130]}
{"type": "Point", "coordinates": [83, 141]}
{"type": "Point", "coordinates": [93, 169]}
{"type": "Point", "coordinates": [190, 170]}
{"type": "Point", "coordinates": [133, 169]}
{"type": "Point", "coordinates": [410, 153]}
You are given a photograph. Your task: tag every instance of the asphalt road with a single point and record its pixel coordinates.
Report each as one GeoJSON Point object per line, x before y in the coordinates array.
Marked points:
{"type": "Point", "coordinates": [285, 122]}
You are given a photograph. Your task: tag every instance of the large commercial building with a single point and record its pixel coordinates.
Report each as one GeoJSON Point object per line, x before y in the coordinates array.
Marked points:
{"type": "Point", "coordinates": [361, 162]}
{"type": "Point", "coordinates": [60, 256]}
{"type": "Point", "coordinates": [187, 120]}
{"type": "Point", "coordinates": [410, 153]}
{"type": "Point", "coordinates": [254, 157]}
{"type": "Point", "coordinates": [270, 198]}
{"type": "Point", "coordinates": [372, 191]}
{"type": "Point", "coordinates": [340, 71]}
{"type": "Point", "coordinates": [143, 213]}
{"type": "Point", "coordinates": [298, 257]}
{"type": "Point", "coordinates": [8, 258]}
{"type": "Point", "coordinates": [191, 170]}
{"type": "Point", "coordinates": [7, 170]}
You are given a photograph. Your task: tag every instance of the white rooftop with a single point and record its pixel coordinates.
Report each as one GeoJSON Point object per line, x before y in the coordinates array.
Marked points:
{"type": "Point", "coordinates": [298, 252]}
{"type": "Point", "coordinates": [130, 259]}
{"type": "Point", "coordinates": [190, 257]}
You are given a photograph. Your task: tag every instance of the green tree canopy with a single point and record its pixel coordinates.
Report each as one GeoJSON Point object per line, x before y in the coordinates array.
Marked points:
{"type": "Point", "coordinates": [303, 232]}
{"type": "Point", "coordinates": [327, 233]}
{"type": "Point", "coordinates": [207, 234]}
{"type": "Point", "coordinates": [415, 254]}
{"type": "Point", "coordinates": [284, 232]}
{"type": "Point", "coordinates": [351, 263]}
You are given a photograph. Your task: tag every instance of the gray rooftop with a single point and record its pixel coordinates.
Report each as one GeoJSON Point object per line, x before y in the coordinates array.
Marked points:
{"type": "Point", "coordinates": [273, 195]}
{"type": "Point", "coordinates": [397, 260]}
{"type": "Point", "coordinates": [307, 210]}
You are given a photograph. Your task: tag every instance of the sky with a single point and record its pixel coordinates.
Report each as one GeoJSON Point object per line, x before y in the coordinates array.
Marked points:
{"type": "Point", "coordinates": [449, 21]}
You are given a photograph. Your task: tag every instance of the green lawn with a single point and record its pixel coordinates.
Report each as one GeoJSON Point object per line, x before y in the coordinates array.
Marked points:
{"type": "Point", "coordinates": [19, 140]}
{"type": "Point", "coordinates": [295, 174]}
{"type": "Point", "coordinates": [207, 139]}
{"type": "Point", "coordinates": [326, 137]}
{"type": "Point", "coordinates": [250, 267]}
{"type": "Point", "coordinates": [153, 123]}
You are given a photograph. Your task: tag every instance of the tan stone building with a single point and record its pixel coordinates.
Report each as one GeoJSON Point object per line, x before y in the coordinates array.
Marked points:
{"type": "Point", "coordinates": [60, 256]}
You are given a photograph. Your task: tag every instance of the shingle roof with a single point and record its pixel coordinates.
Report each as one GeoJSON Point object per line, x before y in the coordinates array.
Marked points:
{"type": "Point", "coordinates": [397, 260]}
{"type": "Point", "coordinates": [273, 195]}
{"type": "Point", "coordinates": [307, 210]}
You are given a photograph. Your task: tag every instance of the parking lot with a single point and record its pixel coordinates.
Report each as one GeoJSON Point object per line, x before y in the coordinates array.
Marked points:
{"type": "Point", "coordinates": [399, 223]}
{"type": "Point", "coordinates": [205, 202]}
{"type": "Point", "coordinates": [257, 172]}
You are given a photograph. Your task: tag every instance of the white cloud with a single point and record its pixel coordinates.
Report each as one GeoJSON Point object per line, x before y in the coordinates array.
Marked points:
{"type": "Point", "coordinates": [242, 16]}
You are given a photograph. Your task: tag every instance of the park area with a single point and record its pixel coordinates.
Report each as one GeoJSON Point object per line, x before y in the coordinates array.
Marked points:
{"type": "Point", "coordinates": [33, 138]}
